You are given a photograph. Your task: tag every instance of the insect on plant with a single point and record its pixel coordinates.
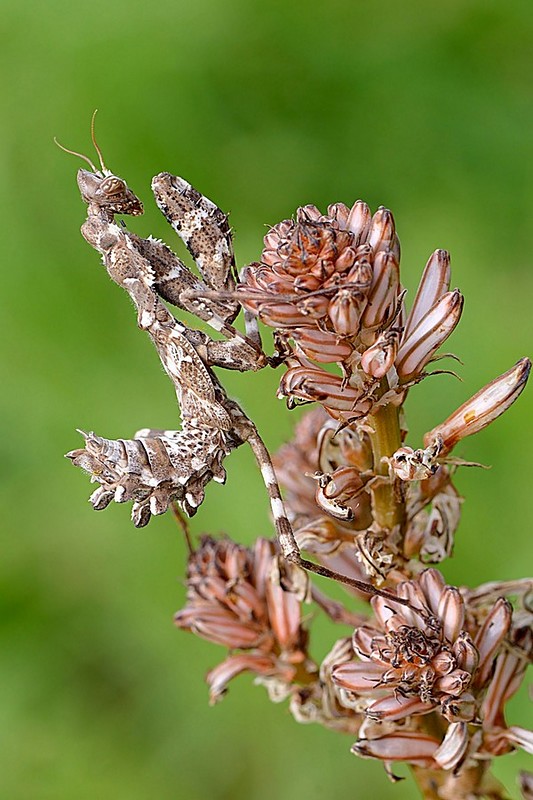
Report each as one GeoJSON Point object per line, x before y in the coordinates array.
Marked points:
{"type": "Point", "coordinates": [158, 467]}
{"type": "Point", "coordinates": [425, 676]}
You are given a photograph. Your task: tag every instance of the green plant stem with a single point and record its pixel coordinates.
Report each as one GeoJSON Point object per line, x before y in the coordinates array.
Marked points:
{"type": "Point", "coordinates": [388, 506]}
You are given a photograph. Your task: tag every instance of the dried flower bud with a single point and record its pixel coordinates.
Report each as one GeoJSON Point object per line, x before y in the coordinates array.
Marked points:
{"type": "Point", "coordinates": [383, 291]}
{"type": "Point", "coordinates": [312, 384]}
{"type": "Point", "coordinates": [435, 282]}
{"type": "Point", "coordinates": [378, 359]}
{"type": "Point", "coordinates": [412, 746]}
{"type": "Point", "coordinates": [483, 408]}
{"type": "Point", "coordinates": [428, 335]}
{"type": "Point", "coordinates": [382, 233]}
{"type": "Point", "coordinates": [322, 346]}
{"type": "Point", "coordinates": [344, 311]}
{"type": "Point", "coordinates": [358, 221]}
{"type": "Point", "coordinates": [453, 747]}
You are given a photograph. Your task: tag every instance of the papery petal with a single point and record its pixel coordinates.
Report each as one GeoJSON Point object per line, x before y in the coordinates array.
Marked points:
{"type": "Point", "coordinates": [453, 747]}
{"type": "Point", "coordinates": [411, 746]}
{"type": "Point", "coordinates": [282, 315]}
{"type": "Point", "coordinates": [219, 677]}
{"type": "Point", "coordinates": [363, 639]}
{"type": "Point", "coordinates": [510, 669]}
{"type": "Point", "coordinates": [466, 652]}
{"type": "Point", "coordinates": [520, 737]}
{"type": "Point", "coordinates": [219, 626]}
{"type": "Point", "coordinates": [263, 552]}
{"type": "Point", "coordinates": [490, 637]}
{"type": "Point", "coordinates": [383, 291]}
{"type": "Point", "coordinates": [451, 612]}
{"type": "Point", "coordinates": [283, 609]}
{"type": "Point", "coordinates": [322, 346]}
{"type": "Point", "coordinates": [388, 613]}
{"type": "Point", "coordinates": [393, 708]}
{"type": "Point", "coordinates": [315, 384]}
{"type": "Point", "coordinates": [358, 677]}
{"type": "Point", "coordinates": [435, 281]}
{"type": "Point", "coordinates": [430, 333]}
{"type": "Point", "coordinates": [432, 584]}
{"type": "Point", "coordinates": [416, 614]}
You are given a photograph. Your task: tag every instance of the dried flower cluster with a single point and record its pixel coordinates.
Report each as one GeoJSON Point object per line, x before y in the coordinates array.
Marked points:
{"type": "Point", "coordinates": [235, 598]}
{"type": "Point", "coordinates": [424, 676]}
{"type": "Point", "coordinates": [424, 683]}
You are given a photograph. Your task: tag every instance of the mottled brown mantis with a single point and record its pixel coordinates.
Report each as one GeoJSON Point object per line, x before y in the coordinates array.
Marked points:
{"type": "Point", "coordinates": [159, 467]}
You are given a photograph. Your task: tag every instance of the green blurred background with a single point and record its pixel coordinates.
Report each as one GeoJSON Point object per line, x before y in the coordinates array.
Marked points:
{"type": "Point", "coordinates": [424, 107]}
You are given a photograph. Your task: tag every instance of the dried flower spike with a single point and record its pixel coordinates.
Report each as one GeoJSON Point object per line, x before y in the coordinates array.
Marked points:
{"type": "Point", "coordinates": [427, 673]}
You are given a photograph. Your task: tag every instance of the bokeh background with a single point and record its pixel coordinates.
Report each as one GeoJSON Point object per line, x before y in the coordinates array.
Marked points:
{"type": "Point", "coordinates": [424, 107]}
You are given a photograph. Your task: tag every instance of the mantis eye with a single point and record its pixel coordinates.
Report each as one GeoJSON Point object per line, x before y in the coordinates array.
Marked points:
{"type": "Point", "coordinates": [112, 186]}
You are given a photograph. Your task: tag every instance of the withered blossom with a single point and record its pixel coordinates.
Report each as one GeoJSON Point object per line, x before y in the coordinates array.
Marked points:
{"type": "Point", "coordinates": [447, 664]}
{"type": "Point", "coordinates": [237, 597]}
{"type": "Point", "coordinates": [330, 284]}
